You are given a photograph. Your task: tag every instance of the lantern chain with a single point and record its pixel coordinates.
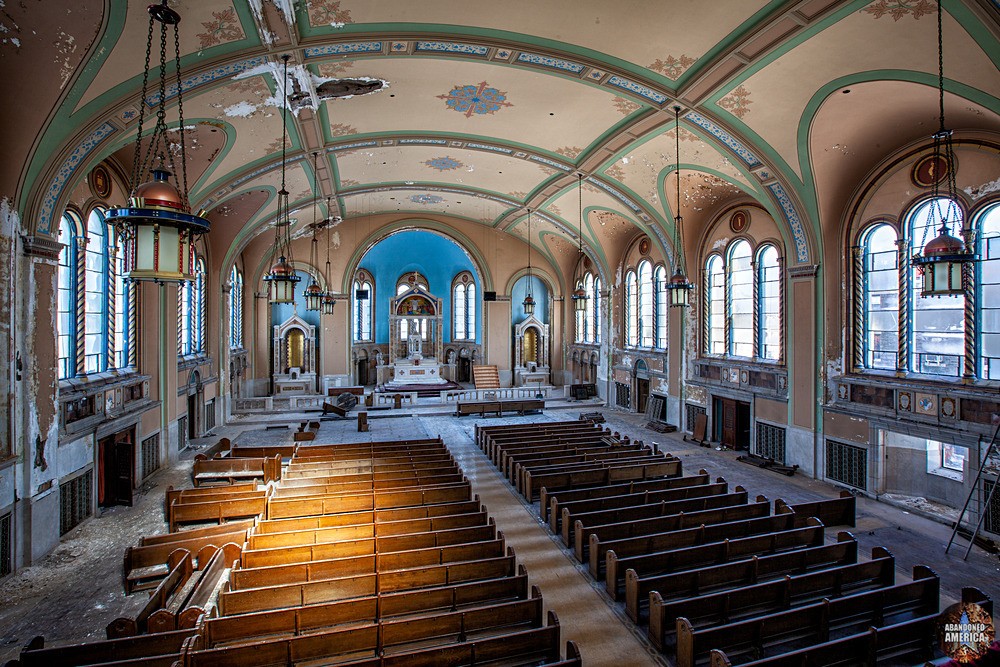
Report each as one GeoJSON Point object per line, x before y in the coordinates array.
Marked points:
{"type": "Point", "coordinates": [180, 113]}
{"type": "Point", "coordinates": [136, 169]}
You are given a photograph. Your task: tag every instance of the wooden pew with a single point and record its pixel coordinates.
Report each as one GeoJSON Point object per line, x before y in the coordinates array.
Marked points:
{"type": "Point", "coordinates": [553, 460]}
{"type": "Point", "coordinates": [463, 408]}
{"type": "Point", "coordinates": [482, 432]}
{"type": "Point", "coordinates": [263, 451]}
{"type": "Point", "coordinates": [551, 501]}
{"type": "Point", "coordinates": [232, 470]}
{"type": "Point", "coordinates": [370, 516]}
{"type": "Point", "coordinates": [507, 459]}
{"type": "Point", "coordinates": [329, 590]}
{"type": "Point", "coordinates": [608, 474]}
{"type": "Point", "coordinates": [732, 574]}
{"type": "Point", "coordinates": [216, 510]}
{"type": "Point", "coordinates": [145, 565]}
{"type": "Point", "coordinates": [586, 537]}
{"type": "Point", "coordinates": [279, 507]}
{"type": "Point", "coordinates": [834, 512]}
{"type": "Point", "coordinates": [528, 444]}
{"type": "Point", "coordinates": [850, 614]}
{"type": "Point", "coordinates": [227, 629]}
{"type": "Point", "coordinates": [197, 596]}
{"type": "Point", "coordinates": [911, 641]}
{"type": "Point", "coordinates": [157, 650]}
{"type": "Point", "coordinates": [180, 568]}
{"type": "Point", "coordinates": [211, 493]}
{"type": "Point", "coordinates": [676, 550]}
{"type": "Point", "coordinates": [772, 596]}
{"type": "Point", "coordinates": [654, 508]}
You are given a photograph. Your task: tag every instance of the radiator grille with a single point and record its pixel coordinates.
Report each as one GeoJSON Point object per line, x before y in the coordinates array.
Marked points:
{"type": "Point", "coordinates": [150, 455]}
{"type": "Point", "coordinates": [691, 412]}
{"type": "Point", "coordinates": [770, 442]}
{"type": "Point", "coordinates": [991, 519]}
{"type": "Point", "coordinates": [847, 464]}
{"type": "Point", "coordinates": [210, 415]}
{"type": "Point", "coordinates": [75, 501]}
{"type": "Point", "coordinates": [623, 395]}
{"type": "Point", "coordinates": [6, 557]}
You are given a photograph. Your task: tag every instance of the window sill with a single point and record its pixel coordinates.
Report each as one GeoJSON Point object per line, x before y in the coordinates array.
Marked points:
{"type": "Point", "coordinates": [947, 473]}
{"type": "Point", "coordinates": [82, 383]}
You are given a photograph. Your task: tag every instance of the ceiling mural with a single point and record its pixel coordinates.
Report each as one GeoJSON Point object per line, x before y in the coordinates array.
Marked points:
{"type": "Point", "coordinates": [481, 110]}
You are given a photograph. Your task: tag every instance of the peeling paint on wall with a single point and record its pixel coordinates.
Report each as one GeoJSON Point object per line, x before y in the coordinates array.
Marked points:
{"type": "Point", "coordinates": [65, 46]}
{"type": "Point", "coordinates": [981, 191]}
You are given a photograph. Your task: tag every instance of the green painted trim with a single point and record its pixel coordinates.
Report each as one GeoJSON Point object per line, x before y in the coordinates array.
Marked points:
{"type": "Point", "coordinates": [546, 252]}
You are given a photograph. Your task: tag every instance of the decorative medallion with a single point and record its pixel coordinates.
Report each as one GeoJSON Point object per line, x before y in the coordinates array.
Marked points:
{"type": "Point", "coordinates": [841, 390]}
{"type": "Point", "coordinates": [445, 163]}
{"type": "Point", "coordinates": [737, 102]}
{"type": "Point", "coordinates": [644, 246]}
{"type": "Point", "coordinates": [734, 375]}
{"type": "Point", "coordinates": [725, 375]}
{"type": "Point", "coordinates": [739, 221]}
{"type": "Point", "coordinates": [100, 182]}
{"type": "Point", "coordinates": [744, 377]}
{"type": "Point", "coordinates": [426, 199]}
{"type": "Point", "coordinates": [948, 407]}
{"type": "Point", "coordinates": [929, 171]}
{"type": "Point", "coordinates": [477, 99]}
{"type": "Point", "coordinates": [224, 27]}
{"type": "Point", "coordinates": [905, 401]}
{"type": "Point", "coordinates": [926, 404]}
{"type": "Point", "coordinates": [672, 67]}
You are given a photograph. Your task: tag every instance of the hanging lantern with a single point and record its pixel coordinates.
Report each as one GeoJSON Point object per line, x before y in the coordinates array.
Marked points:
{"type": "Point", "coordinates": [157, 228]}
{"type": "Point", "coordinates": [579, 298]}
{"type": "Point", "coordinates": [327, 304]}
{"type": "Point", "coordinates": [679, 286]}
{"type": "Point", "coordinates": [282, 277]}
{"type": "Point", "coordinates": [579, 294]}
{"type": "Point", "coordinates": [529, 301]}
{"type": "Point", "coordinates": [314, 293]}
{"type": "Point", "coordinates": [528, 304]}
{"type": "Point", "coordinates": [943, 258]}
{"type": "Point", "coordinates": [314, 296]}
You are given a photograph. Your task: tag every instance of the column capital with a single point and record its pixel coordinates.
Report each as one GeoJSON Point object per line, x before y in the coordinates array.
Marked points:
{"type": "Point", "coordinates": [42, 246]}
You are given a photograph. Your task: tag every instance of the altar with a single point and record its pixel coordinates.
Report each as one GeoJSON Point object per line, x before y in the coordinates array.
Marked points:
{"type": "Point", "coordinates": [415, 339]}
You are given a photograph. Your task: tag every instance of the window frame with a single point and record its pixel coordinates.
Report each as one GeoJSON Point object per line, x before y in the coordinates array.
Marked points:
{"type": "Point", "coordinates": [362, 311]}
{"type": "Point", "coordinates": [469, 290]}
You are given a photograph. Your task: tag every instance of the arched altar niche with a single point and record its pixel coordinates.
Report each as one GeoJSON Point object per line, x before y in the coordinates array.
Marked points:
{"type": "Point", "coordinates": [531, 352]}
{"type": "Point", "coordinates": [293, 355]}
{"type": "Point", "coordinates": [416, 338]}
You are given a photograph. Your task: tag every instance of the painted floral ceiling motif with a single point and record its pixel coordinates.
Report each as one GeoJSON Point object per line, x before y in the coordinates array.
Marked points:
{"type": "Point", "coordinates": [479, 99]}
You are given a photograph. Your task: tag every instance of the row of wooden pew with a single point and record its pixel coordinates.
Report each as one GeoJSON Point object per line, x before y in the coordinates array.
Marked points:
{"type": "Point", "coordinates": [714, 573]}
{"type": "Point", "coordinates": [364, 554]}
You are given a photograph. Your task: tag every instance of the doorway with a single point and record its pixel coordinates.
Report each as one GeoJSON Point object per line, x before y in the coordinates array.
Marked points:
{"type": "Point", "coordinates": [641, 386]}
{"type": "Point", "coordinates": [731, 422]}
{"type": "Point", "coordinates": [116, 469]}
{"type": "Point", "coordinates": [362, 372]}
{"type": "Point", "coordinates": [464, 369]}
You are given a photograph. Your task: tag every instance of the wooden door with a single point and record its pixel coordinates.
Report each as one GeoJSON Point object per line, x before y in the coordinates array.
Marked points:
{"type": "Point", "coordinates": [124, 468]}
{"type": "Point", "coordinates": [642, 394]}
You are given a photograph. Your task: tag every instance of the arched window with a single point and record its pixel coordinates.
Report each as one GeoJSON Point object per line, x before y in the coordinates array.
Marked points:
{"type": "Point", "coordinates": [595, 306]}
{"type": "Point", "coordinates": [123, 313]}
{"type": "Point", "coordinates": [768, 303]}
{"type": "Point", "coordinates": [938, 322]}
{"type": "Point", "coordinates": [95, 299]}
{"type": "Point", "coordinates": [463, 307]}
{"type": "Point", "coordinates": [740, 288]}
{"type": "Point", "coordinates": [66, 296]}
{"type": "Point", "coordinates": [660, 306]}
{"type": "Point", "coordinates": [361, 303]}
{"type": "Point", "coordinates": [412, 279]}
{"type": "Point", "coordinates": [580, 330]}
{"type": "Point", "coordinates": [191, 312]}
{"type": "Point", "coordinates": [880, 288]}
{"type": "Point", "coordinates": [590, 312]}
{"type": "Point", "coordinates": [631, 309]}
{"type": "Point", "coordinates": [236, 308]}
{"type": "Point", "coordinates": [989, 294]}
{"type": "Point", "coordinates": [644, 323]}
{"type": "Point", "coordinates": [715, 306]}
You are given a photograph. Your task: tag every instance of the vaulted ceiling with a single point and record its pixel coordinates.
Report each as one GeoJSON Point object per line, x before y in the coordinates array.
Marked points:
{"type": "Point", "coordinates": [491, 108]}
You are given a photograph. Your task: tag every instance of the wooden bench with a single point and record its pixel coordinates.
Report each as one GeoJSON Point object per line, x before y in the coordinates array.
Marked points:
{"type": "Point", "coordinates": [834, 512]}
{"type": "Point", "coordinates": [146, 564]}
{"type": "Point", "coordinates": [585, 538]}
{"type": "Point", "coordinates": [179, 567]}
{"type": "Point", "coordinates": [233, 470]}
{"type": "Point", "coordinates": [605, 474]}
{"type": "Point", "coordinates": [263, 451]}
{"type": "Point", "coordinates": [911, 642]}
{"type": "Point", "coordinates": [280, 507]}
{"type": "Point", "coordinates": [218, 511]}
{"type": "Point", "coordinates": [551, 501]}
{"type": "Point", "coordinates": [772, 596]}
{"type": "Point", "coordinates": [559, 459]}
{"type": "Point", "coordinates": [157, 650]}
{"type": "Point", "coordinates": [208, 493]}
{"type": "Point", "coordinates": [732, 574]}
{"type": "Point", "coordinates": [654, 508]}
{"type": "Point", "coordinates": [267, 526]}
{"type": "Point", "coordinates": [330, 408]}
{"type": "Point", "coordinates": [850, 614]}
{"type": "Point", "coordinates": [728, 541]}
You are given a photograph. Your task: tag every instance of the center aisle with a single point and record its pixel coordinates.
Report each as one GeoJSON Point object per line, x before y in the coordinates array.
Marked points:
{"type": "Point", "coordinates": [585, 614]}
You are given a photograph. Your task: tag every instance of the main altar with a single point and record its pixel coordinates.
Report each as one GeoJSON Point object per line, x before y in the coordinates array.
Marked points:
{"type": "Point", "coordinates": [416, 338]}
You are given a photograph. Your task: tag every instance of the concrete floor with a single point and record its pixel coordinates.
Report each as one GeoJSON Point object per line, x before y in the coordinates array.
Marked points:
{"type": "Point", "coordinates": [72, 594]}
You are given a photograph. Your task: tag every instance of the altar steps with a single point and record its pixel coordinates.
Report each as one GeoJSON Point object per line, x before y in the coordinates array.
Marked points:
{"type": "Point", "coordinates": [486, 377]}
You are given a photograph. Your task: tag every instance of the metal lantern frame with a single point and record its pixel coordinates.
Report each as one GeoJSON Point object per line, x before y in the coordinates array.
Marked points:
{"type": "Point", "coordinates": [281, 279]}
{"type": "Point", "coordinates": [329, 299]}
{"type": "Point", "coordinates": [157, 230]}
{"type": "Point", "coordinates": [580, 295]}
{"type": "Point", "coordinates": [679, 286]}
{"type": "Point", "coordinates": [314, 293]}
{"type": "Point", "coordinates": [529, 300]}
{"type": "Point", "coordinates": [943, 260]}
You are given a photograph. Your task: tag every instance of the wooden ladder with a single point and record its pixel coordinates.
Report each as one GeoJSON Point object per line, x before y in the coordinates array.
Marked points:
{"type": "Point", "coordinates": [981, 503]}
{"type": "Point", "coordinates": [486, 377]}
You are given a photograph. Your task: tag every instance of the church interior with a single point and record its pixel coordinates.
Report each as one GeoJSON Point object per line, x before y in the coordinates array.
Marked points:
{"type": "Point", "coordinates": [720, 280]}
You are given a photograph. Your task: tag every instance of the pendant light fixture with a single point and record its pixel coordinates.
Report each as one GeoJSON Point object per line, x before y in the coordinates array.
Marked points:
{"type": "Point", "coordinates": [943, 259]}
{"type": "Point", "coordinates": [529, 301]}
{"type": "Point", "coordinates": [329, 301]}
{"type": "Point", "coordinates": [314, 293]}
{"type": "Point", "coordinates": [680, 287]}
{"type": "Point", "coordinates": [282, 277]}
{"type": "Point", "coordinates": [579, 294]}
{"type": "Point", "coordinates": [157, 228]}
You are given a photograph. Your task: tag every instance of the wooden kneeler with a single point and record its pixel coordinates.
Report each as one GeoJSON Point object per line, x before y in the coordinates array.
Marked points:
{"type": "Point", "coordinates": [362, 422]}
